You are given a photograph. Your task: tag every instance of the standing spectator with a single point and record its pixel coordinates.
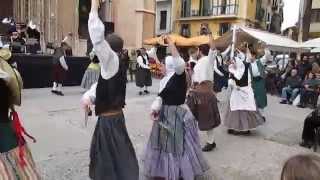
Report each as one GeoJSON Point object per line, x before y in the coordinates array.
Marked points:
{"type": "Point", "coordinates": [291, 89]}
{"type": "Point", "coordinates": [301, 167]}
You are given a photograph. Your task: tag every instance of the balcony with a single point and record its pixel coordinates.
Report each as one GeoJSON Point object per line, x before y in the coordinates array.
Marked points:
{"type": "Point", "coordinates": [212, 12]}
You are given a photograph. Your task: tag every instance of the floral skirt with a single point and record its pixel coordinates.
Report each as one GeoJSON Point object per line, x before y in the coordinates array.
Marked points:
{"type": "Point", "coordinates": [173, 151]}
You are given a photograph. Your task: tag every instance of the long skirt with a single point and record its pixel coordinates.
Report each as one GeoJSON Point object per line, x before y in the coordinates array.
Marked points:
{"type": "Point", "coordinates": [310, 124]}
{"type": "Point", "coordinates": [143, 77]}
{"type": "Point", "coordinates": [204, 106]}
{"type": "Point", "coordinates": [112, 155]}
{"type": "Point", "coordinates": [11, 167]}
{"type": "Point", "coordinates": [260, 92]}
{"type": "Point", "coordinates": [242, 120]}
{"type": "Point", "coordinates": [173, 151]}
{"type": "Point", "coordinates": [90, 77]}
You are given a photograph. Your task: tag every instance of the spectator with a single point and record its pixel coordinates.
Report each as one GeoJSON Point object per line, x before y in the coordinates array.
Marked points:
{"type": "Point", "coordinates": [301, 167]}
{"type": "Point", "coordinates": [292, 88]}
{"type": "Point", "coordinates": [304, 67]}
{"type": "Point", "coordinates": [310, 124]}
{"type": "Point", "coordinates": [309, 91]}
{"type": "Point", "coordinates": [17, 42]}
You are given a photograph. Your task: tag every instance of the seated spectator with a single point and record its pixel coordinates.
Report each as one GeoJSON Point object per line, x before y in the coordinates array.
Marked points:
{"type": "Point", "coordinates": [304, 67]}
{"type": "Point", "coordinates": [301, 167]}
{"type": "Point", "coordinates": [309, 91]}
{"type": "Point", "coordinates": [292, 87]}
{"type": "Point", "coordinates": [310, 124]}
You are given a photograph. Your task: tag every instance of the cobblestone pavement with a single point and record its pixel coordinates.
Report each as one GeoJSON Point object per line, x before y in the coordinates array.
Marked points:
{"type": "Point", "coordinates": [63, 143]}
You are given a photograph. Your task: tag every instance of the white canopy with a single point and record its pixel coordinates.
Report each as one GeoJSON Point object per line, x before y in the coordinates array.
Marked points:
{"type": "Point", "coordinates": [313, 43]}
{"type": "Point", "coordinates": [274, 42]}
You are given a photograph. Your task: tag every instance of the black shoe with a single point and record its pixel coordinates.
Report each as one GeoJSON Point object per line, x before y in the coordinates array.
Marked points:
{"type": "Point", "coordinates": [283, 102]}
{"type": "Point", "coordinates": [146, 91]}
{"type": "Point", "coordinates": [305, 144]}
{"type": "Point", "coordinates": [231, 131]}
{"type": "Point", "coordinates": [246, 133]}
{"type": "Point", "coordinates": [59, 93]}
{"type": "Point", "coordinates": [140, 93]}
{"type": "Point", "coordinates": [301, 106]}
{"type": "Point", "coordinates": [209, 147]}
{"type": "Point", "coordinates": [264, 119]}
{"type": "Point", "coordinates": [54, 91]}
{"type": "Point", "coordinates": [290, 103]}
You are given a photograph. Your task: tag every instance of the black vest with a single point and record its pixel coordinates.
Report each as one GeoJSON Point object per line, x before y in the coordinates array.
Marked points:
{"type": "Point", "coordinates": [175, 91]}
{"type": "Point", "coordinates": [111, 93]}
{"type": "Point", "coordinates": [243, 82]}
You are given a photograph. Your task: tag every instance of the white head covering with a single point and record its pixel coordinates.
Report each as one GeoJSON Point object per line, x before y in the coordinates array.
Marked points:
{"type": "Point", "coordinates": [169, 72]}
{"type": "Point", "coordinates": [237, 69]}
{"type": "Point", "coordinates": [92, 54]}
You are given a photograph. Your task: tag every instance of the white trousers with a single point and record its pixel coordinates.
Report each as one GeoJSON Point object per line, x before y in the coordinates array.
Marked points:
{"type": "Point", "coordinates": [210, 136]}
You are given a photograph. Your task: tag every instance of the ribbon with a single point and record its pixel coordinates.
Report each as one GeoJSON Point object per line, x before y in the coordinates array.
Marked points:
{"type": "Point", "coordinates": [20, 132]}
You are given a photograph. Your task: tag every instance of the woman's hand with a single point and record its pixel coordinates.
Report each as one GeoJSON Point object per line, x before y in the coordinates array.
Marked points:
{"type": "Point", "coordinates": [155, 115]}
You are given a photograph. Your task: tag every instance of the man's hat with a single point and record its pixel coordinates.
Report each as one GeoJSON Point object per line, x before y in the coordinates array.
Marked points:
{"type": "Point", "coordinates": [5, 54]}
{"type": "Point", "coordinates": [13, 79]}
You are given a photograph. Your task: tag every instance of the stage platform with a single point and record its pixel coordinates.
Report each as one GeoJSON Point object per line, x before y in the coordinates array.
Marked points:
{"type": "Point", "coordinates": [36, 70]}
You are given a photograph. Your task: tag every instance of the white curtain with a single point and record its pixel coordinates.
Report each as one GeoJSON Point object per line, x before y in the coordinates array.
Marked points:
{"type": "Point", "coordinates": [291, 13]}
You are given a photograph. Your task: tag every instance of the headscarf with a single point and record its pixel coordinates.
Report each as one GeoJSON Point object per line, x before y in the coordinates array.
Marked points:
{"type": "Point", "coordinates": [169, 72]}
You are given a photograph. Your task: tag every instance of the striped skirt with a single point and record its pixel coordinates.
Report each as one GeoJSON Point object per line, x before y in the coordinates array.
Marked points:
{"type": "Point", "coordinates": [11, 168]}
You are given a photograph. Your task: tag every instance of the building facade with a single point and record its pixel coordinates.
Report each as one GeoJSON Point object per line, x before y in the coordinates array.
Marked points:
{"type": "Point", "coordinates": [217, 15]}
{"type": "Point", "coordinates": [132, 20]}
{"type": "Point", "coordinates": [315, 20]}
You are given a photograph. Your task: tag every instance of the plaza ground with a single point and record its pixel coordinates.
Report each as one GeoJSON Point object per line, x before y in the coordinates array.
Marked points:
{"type": "Point", "coordinates": [63, 141]}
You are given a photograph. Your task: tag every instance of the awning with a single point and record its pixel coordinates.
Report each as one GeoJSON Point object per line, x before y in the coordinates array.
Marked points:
{"type": "Point", "coordinates": [272, 41]}
{"type": "Point", "coordinates": [180, 41]}
{"type": "Point", "coordinates": [313, 43]}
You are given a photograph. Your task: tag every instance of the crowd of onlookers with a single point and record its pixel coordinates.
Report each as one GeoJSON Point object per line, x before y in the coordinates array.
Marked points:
{"type": "Point", "coordinates": [296, 81]}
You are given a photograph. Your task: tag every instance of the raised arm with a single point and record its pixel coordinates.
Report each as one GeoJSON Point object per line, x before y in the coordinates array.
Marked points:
{"type": "Point", "coordinates": [179, 64]}
{"type": "Point", "coordinates": [213, 51]}
{"type": "Point", "coordinates": [109, 60]}
{"type": "Point", "coordinates": [226, 52]}
{"type": "Point", "coordinates": [152, 52]}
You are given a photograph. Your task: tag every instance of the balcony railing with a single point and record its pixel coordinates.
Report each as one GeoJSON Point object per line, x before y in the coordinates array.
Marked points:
{"type": "Point", "coordinates": [230, 9]}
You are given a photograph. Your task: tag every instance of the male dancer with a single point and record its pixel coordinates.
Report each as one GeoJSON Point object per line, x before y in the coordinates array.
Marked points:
{"type": "Point", "coordinates": [112, 155]}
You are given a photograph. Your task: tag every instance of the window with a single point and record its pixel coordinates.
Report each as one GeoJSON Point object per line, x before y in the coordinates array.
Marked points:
{"type": "Point", "coordinates": [163, 20]}
{"type": "Point", "coordinates": [315, 15]}
{"type": "Point", "coordinates": [205, 8]}
{"type": "Point", "coordinates": [185, 30]}
{"type": "Point", "coordinates": [185, 8]}
{"type": "Point", "coordinates": [224, 27]}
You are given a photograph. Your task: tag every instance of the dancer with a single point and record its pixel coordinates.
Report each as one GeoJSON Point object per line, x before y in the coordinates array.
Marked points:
{"type": "Point", "coordinates": [201, 98]}
{"type": "Point", "coordinates": [16, 161]}
{"type": "Point", "coordinates": [92, 73]}
{"type": "Point", "coordinates": [242, 115]}
{"type": "Point", "coordinates": [173, 151]}
{"type": "Point", "coordinates": [112, 155]}
{"type": "Point", "coordinates": [143, 73]}
{"type": "Point", "coordinates": [60, 68]}
{"type": "Point", "coordinates": [257, 70]}
{"type": "Point", "coordinates": [220, 72]}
